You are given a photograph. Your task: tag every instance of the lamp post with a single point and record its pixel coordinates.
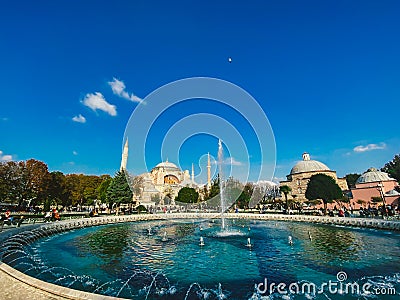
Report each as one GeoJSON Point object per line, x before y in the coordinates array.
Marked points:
{"type": "Point", "coordinates": [380, 189]}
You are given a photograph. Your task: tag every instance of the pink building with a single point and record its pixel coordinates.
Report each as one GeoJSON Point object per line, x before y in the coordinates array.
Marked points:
{"type": "Point", "coordinates": [374, 183]}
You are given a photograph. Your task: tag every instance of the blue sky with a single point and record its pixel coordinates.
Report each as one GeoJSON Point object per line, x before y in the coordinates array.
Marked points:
{"type": "Point", "coordinates": [326, 73]}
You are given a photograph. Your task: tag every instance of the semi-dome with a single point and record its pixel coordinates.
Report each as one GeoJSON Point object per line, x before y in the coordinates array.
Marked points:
{"type": "Point", "coordinates": [308, 165]}
{"type": "Point", "coordinates": [373, 175]}
{"type": "Point", "coordinates": [167, 165]}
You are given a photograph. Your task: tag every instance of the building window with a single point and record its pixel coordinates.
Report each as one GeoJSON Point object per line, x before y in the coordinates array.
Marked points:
{"type": "Point", "coordinates": [171, 179]}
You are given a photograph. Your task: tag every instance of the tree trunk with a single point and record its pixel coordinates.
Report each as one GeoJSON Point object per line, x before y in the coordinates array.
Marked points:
{"type": "Point", "coordinates": [287, 203]}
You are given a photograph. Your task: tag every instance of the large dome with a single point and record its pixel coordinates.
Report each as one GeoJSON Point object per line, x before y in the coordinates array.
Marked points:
{"type": "Point", "coordinates": [308, 165]}
{"type": "Point", "coordinates": [167, 166]}
{"type": "Point", "coordinates": [373, 175]}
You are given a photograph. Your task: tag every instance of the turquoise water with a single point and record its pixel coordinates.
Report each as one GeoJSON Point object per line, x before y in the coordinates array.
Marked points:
{"type": "Point", "coordinates": [131, 260]}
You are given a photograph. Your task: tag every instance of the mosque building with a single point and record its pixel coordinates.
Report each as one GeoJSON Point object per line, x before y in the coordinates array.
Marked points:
{"type": "Point", "coordinates": [374, 183]}
{"type": "Point", "coordinates": [163, 181]}
{"type": "Point", "coordinates": [301, 173]}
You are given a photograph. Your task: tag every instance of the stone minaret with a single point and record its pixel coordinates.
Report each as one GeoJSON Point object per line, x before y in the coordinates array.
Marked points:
{"type": "Point", "coordinates": [192, 173]}
{"type": "Point", "coordinates": [208, 172]}
{"type": "Point", "coordinates": [124, 159]}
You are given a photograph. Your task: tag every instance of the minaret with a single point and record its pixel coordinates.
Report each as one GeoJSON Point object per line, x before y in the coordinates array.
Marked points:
{"type": "Point", "coordinates": [208, 172]}
{"type": "Point", "coordinates": [192, 173]}
{"type": "Point", "coordinates": [124, 159]}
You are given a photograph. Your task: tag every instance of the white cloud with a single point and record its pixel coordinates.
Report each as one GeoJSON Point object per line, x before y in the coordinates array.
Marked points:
{"type": "Point", "coordinates": [79, 119]}
{"type": "Point", "coordinates": [233, 162]}
{"type": "Point", "coordinates": [6, 157]}
{"type": "Point", "coordinates": [370, 147]}
{"type": "Point", "coordinates": [74, 152]}
{"type": "Point", "coordinates": [230, 161]}
{"type": "Point", "coordinates": [118, 88]}
{"type": "Point", "coordinates": [97, 101]}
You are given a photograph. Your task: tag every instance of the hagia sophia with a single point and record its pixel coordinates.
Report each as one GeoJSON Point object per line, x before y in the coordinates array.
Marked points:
{"type": "Point", "coordinates": [166, 179]}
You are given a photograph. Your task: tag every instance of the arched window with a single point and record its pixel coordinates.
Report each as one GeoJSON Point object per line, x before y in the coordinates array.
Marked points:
{"type": "Point", "coordinates": [171, 179]}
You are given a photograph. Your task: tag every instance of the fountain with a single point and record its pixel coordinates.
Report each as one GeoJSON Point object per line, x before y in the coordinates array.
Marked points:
{"type": "Point", "coordinates": [133, 266]}
{"type": "Point", "coordinates": [221, 183]}
{"type": "Point", "coordinates": [249, 245]}
{"type": "Point", "coordinates": [164, 238]}
{"type": "Point", "coordinates": [290, 240]}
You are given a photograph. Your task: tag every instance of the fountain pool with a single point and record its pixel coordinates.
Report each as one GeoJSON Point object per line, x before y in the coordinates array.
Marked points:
{"type": "Point", "coordinates": [123, 260]}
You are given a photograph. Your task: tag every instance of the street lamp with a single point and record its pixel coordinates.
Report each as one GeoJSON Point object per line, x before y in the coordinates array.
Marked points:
{"type": "Point", "coordinates": [380, 189]}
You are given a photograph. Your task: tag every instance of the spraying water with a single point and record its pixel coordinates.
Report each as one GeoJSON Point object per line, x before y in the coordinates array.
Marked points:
{"type": "Point", "coordinates": [221, 183]}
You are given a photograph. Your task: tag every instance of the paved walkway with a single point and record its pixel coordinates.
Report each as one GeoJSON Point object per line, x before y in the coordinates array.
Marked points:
{"type": "Point", "coordinates": [13, 289]}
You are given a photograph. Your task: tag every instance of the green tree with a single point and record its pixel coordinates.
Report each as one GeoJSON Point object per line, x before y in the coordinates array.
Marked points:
{"type": "Point", "coordinates": [84, 189]}
{"type": "Point", "coordinates": [90, 184]}
{"type": "Point", "coordinates": [376, 199]}
{"type": "Point", "coordinates": [187, 195]}
{"type": "Point", "coordinates": [76, 188]}
{"type": "Point", "coordinates": [323, 187]}
{"type": "Point", "coordinates": [102, 189]}
{"type": "Point", "coordinates": [393, 168]}
{"type": "Point", "coordinates": [8, 181]}
{"type": "Point", "coordinates": [285, 189]}
{"type": "Point", "coordinates": [119, 191]}
{"type": "Point", "coordinates": [343, 200]}
{"type": "Point", "coordinates": [214, 190]}
{"type": "Point", "coordinates": [241, 195]}
{"type": "Point", "coordinates": [351, 179]}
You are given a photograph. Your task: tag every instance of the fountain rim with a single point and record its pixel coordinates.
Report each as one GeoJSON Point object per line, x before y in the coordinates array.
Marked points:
{"type": "Point", "coordinates": [68, 293]}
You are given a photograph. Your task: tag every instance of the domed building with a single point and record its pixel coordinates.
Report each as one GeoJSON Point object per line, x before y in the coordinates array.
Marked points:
{"type": "Point", "coordinates": [164, 180]}
{"type": "Point", "coordinates": [374, 183]}
{"type": "Point", "coordinates": [301, 173]}
{"type": "Point", "coordinates": [167, 174]}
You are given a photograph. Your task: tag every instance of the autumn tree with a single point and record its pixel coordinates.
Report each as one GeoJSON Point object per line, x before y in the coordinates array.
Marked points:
{"type": "Point", "coordinates": [84, 188]}
{"type": "Point", "coordinates": [57, 192]}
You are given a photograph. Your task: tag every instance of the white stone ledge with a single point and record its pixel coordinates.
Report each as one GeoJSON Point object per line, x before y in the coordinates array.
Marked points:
{"type": "Point", "coordinates": [50, 288]}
